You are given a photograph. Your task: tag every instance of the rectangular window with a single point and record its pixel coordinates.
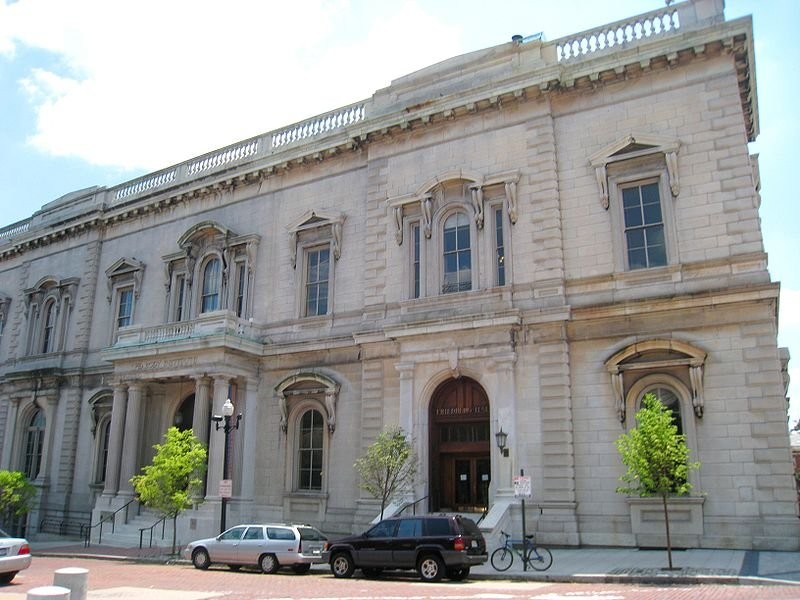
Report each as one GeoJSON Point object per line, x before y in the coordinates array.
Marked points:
{"type": "Point", "coordinates": [125, 308]}
{"type": "Point", "coordinates": [180, 299]}
{"type": "Point", "coordinates": [416, 258]}
{"type": "Point", "coordinates": [500, 249]}
{"type": "Point", "coordinates": [317, 279]}
{"type": "Point", "coordinates": [241, 287]}
{"type": "Point", "coordinates": [644, 226]}
{"type": "Point", "coordinates": [49, 327]}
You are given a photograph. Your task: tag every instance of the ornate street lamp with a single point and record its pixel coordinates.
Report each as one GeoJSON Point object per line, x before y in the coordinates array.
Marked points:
{"type": "Point", "coordinates": [502, 439]}
{"type": "Point", "coordinates": [227, 414]}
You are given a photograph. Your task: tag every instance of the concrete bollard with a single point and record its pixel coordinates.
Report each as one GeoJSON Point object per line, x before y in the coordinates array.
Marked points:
{"type": "Point", "coordinates": [75, 579]}
{"type": "Point", "coordinates": [48, 592]}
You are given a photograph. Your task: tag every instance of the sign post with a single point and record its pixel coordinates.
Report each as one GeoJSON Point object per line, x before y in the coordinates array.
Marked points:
{"type": "Point", "coordinates": [522, 489]}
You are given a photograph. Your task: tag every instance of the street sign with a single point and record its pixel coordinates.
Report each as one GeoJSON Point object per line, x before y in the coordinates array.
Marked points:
{"type": "Point", "coordinates": [225, 488]}
{"type": "Point", "coordinates": [522, 487]}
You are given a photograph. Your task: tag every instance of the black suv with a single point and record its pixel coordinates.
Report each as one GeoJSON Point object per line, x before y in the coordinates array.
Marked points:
{"type": "Point", "coordinates": [434, 545]}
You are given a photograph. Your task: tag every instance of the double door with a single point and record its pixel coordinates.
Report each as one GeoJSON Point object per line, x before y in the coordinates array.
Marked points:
{"type": "Point", "coordinates": [465, 482]}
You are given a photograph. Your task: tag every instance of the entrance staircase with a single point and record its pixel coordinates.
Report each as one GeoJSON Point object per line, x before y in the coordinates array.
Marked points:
{"type": "Point", "coordinates": [145, 530]}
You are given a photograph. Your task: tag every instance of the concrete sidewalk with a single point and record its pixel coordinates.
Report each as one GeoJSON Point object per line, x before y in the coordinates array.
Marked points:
{"type": "Point", "coordinates": [580, 565]}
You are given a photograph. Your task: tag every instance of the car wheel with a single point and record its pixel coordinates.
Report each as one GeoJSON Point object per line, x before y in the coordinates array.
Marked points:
{"type": "Point", "coordinates": [7, 577]}
{"type": "Point", "coordinates": [342, 565]}
{"type": "Point", "coordinates": [234, 567]}
{"type": "Point", "coordinates": [372, 571]}
{"type": "Point", "coordinates": [200, 559]}
{"type": "Point", "coordinates": [300, 569]}
{"type": "Point", "coordinates": [430, 567]}
{"type": "Point", "coordinates": [458, 574]}
{"type": "Point", "coordinates": [268, 563]}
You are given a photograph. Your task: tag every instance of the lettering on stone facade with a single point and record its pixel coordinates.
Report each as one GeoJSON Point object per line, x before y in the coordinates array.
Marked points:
{"type": "Point", "coordinates": [160, 365]}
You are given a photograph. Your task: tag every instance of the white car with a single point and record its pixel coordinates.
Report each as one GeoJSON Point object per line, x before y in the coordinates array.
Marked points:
{"type": "Point", "coordinates": [15, 555]}
{"type": "Point", "coordinates": [266, 546]}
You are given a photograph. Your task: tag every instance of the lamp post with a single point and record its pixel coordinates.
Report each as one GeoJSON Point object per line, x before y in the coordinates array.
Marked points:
{"type": "Point", "coordinates": [227, 414]}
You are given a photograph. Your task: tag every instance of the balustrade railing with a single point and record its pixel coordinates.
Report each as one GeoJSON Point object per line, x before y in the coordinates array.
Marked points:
{"type": "Point", "coordinates": [14, 229]}
{"type": "Point", "coordinates": [342, 117]}
{"type": "Point", "coordinates": [172, 331]}
{"type": "Point", "coordinates": [222, 157]}
{"type": "Point", "coordinates": [618, 34]}
{"type": "Point", "coordinates": [144, 184]}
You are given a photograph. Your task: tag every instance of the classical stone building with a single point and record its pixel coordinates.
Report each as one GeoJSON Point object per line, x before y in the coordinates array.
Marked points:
{"type": "Point", "coordinates": [524, 239]}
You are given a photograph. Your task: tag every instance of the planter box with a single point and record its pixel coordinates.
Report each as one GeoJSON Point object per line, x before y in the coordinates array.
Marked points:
{"type": "Point", "coordinates": [685, 521]}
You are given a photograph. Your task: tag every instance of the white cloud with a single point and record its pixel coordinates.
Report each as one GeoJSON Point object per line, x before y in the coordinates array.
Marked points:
{"type": "Point", "coordinates": [149, 83]}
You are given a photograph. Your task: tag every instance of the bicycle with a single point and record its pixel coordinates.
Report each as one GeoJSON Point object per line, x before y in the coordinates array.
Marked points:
{"type": "Point", "coordinates": [535, 556]}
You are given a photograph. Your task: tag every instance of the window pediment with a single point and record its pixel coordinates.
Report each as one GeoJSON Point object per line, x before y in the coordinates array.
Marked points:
{"type": "Point", "coordinates": [464, 186]}
{"type": "Point", "coordinates": [125, 269]}
{"type": "Point", "coordinates": [326, 223]}
{"type": "Point", "coordinates": [656, 356]}
{"type": "Point", "coordinates": [635, 146]}
{"type": "Point", "coordinates": [305, 384]}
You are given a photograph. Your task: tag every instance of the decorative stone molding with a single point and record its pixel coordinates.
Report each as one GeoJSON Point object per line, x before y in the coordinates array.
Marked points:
{"type": "Point", "coordinates": [317, 219]}
{"type": "Point", "coordinates": [431, 195]}
{"type": "Point", "coordinates": [127, 269]}
{"type": "Point", "coordinates": [633, 358]}
{"type": "Point", "coordinates": [635, 146]}
{"type": "Point", "coordinates": [304, 384]}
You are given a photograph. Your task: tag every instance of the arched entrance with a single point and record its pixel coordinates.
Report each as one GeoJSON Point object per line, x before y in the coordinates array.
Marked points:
{"type": "Point", "coordinates": [459, 447]}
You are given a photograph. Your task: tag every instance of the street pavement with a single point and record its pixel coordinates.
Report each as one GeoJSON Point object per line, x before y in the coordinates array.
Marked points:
{"type": "Point", "coordinates": [578, 565]}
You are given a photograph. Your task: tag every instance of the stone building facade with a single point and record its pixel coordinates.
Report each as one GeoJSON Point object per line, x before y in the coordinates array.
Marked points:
{"type": "Point", "coordinates": [522, 239]}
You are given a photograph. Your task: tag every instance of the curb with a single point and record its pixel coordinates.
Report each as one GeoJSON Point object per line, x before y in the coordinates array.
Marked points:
{"type": "Point", "coordinates": [668, 579]}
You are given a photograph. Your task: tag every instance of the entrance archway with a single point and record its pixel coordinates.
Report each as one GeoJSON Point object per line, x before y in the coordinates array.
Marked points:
{"type": "Point", "coordinates": [460, 465]}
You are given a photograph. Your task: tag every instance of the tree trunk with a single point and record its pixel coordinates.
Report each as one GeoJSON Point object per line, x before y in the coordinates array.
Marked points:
{"type": "Point", "coordinates": [174, 532]}
{"type": "Point", "coordinates": [666, 523]}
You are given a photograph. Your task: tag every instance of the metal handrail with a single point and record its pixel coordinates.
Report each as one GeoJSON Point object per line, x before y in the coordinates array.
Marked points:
{"type": "Point", "coordinates": [412, 504]}
{"type": "Point", "coordinates": [163, 521]}
{"type": "Point", "coordinates": [86, 530]}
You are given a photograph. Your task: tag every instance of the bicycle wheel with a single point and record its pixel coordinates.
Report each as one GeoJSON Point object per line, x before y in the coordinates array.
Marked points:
{"type": "Point", "coordinates": [502, 559]}
{"type": "Point", "coordinates": [539, 558]}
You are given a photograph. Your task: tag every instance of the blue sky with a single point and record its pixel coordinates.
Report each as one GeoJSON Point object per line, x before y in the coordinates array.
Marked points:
{"type": "Point", "coordinates": [96, 92]}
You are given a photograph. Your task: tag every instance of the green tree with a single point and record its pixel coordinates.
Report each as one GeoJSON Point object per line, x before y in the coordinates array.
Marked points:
{"type": "Point", "coordinates": [387, 469]}
{"type": "Point", "coordinates": [16, 497]}
{"type": "Point", "coordinates": [169, 485]}
{"type": "Point", "coordinates": [657, 458]}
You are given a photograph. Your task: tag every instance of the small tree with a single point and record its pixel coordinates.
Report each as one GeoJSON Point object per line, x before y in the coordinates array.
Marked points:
{"type": "Point", "coordinates": [657, 458]}
{"type": "Point", "coordinates": [16, 496]}
{"type": "Point", "coordinates": [168, 485]}
{"type": "Point", "coordinates": [387, 469]}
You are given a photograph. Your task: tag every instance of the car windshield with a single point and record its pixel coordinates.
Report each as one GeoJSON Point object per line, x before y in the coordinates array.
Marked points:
{"type": "Point", "coordinates": [309, 533]}
{"type": "Point", "coordinates": [3, 534]}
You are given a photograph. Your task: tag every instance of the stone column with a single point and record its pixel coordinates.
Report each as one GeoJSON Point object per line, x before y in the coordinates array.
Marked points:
{"type": "Point", "coordinates": [250, 435]}
{"type": "Point", "coordinates": [11, 428]}
{"type": "Point", "coordinates": [202, 408]}
{"type": "Point", "coordinates": [130, 446]}
{"type": "Point", "coordinates": [216, 442]}
{"type": "Point", "coordinates": [504, 417]}
{"type": "Point", "coordinates": [406, 371]}
{"type": "Point", "coordinates": [118, 408]}
{"type": "Point", "coordinates": [50, 406]}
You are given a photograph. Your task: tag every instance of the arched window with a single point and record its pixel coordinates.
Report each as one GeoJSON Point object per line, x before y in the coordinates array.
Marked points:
{"type": "Point", "coordinates": [457, 255]}
{"type": "Point", "coordinates": [34, 444]}
{"type": "Point", "coordinates": [48, 327]}
{"type": "Point", "coordinates": [310, 457]}
{"type": "Point", "coordinates": [668, 398]}
{"type": "Point", "coordinates": [212, 282]}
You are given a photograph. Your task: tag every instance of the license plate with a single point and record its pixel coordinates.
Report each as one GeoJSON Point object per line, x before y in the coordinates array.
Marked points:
{"type": "Point", "coordinates": [474, 543]}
